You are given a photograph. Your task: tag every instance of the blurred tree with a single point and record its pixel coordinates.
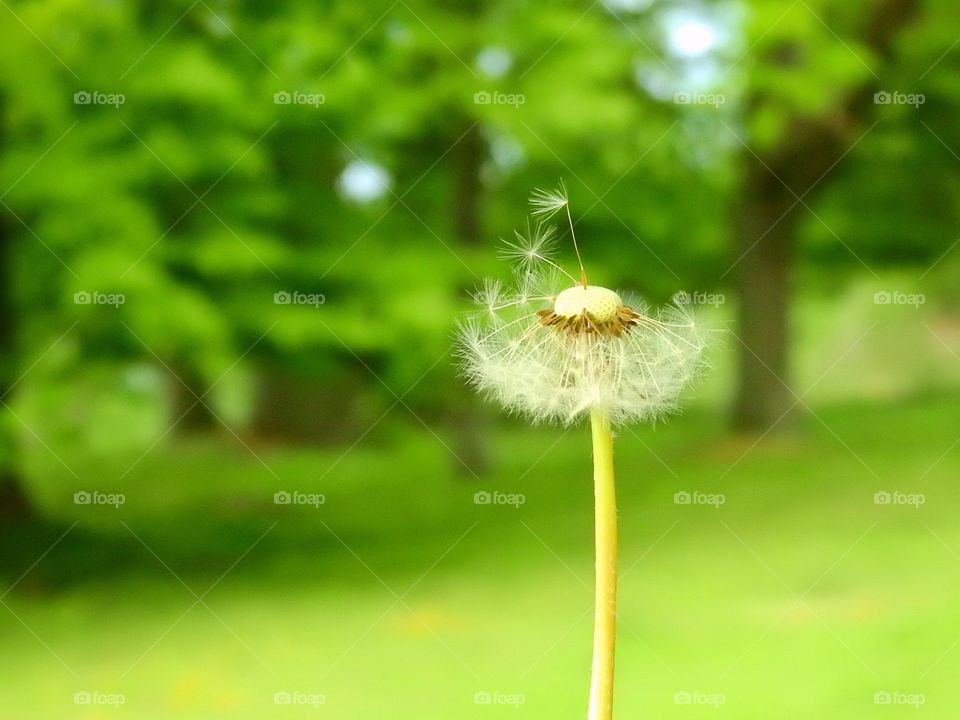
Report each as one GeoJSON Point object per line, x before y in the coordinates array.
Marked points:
{"type": "Point", "coordinates": [99, 156]}
{"type": "Point", "coordinates": [805, 116]}
{"type": "Point", "coordinates": [832, 135]}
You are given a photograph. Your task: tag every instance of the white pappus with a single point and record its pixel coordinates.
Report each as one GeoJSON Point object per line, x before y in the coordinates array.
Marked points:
{"type": "Point", "coordinates": [554, 348]}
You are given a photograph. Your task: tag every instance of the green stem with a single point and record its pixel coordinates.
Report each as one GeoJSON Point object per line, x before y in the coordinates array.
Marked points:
{"type": "Point", "coordinates": [605, 619]}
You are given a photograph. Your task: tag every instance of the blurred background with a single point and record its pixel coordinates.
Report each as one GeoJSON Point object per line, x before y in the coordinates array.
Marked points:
{"type": "Point", "coordinates": [240, 475]}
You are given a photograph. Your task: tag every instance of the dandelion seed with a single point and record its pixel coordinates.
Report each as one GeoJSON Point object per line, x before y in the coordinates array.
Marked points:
{"type": "Point", "coordinates": [549, 202]}
{"type": "Point", "coordinates": [546, 204]}
{"type": "Point", "coordinates": [531, 248]}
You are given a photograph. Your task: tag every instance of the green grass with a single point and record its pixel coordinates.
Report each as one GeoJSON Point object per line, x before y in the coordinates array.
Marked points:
{"type": "Point", "coordinates": [797, 598]}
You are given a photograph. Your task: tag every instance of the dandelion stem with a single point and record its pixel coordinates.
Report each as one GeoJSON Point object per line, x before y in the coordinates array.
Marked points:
{"type": "Point", "coordinates": [605, 618]}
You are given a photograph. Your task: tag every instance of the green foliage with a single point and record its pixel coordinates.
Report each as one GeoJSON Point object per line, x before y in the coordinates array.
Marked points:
{"type": "Point", "coordinates": [199, 197]}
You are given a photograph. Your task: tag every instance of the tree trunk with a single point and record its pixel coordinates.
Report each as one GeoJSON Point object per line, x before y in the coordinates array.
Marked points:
{"type": "Point", "coordinates": [14, 504]}
{"type": "Point", "coordinates": [470, 155]}
{"type": "Point", "coordinates": [186, 392]}
{"type": "Point", "coordinates": [766, 237]}
{"type": "Point", "coordinates": [469, 424]}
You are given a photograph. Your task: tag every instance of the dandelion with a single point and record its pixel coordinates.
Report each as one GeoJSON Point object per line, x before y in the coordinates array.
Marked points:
{"type": "Point", "coordinates": [555, 348]}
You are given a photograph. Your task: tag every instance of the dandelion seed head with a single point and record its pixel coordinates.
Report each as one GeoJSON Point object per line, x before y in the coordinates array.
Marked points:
{"type": "Point", "coordinates": [556, 359]}
{"type": "Point", "coordinates": [556, 351]}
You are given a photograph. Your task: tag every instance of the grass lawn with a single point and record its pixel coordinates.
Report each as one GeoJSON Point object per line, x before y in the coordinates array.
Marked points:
{"type": "Point", "coordinates": [400, 597]}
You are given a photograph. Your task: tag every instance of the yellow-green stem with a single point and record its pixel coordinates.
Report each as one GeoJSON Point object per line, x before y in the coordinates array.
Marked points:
{"type": "Point", "coordinates": [605, 618]}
